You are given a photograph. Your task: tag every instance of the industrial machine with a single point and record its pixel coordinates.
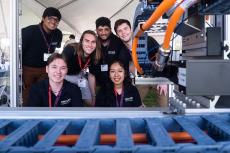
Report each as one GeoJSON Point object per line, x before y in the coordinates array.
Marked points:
{"type": "Point", "coordinates": [198, 119]}
{"type": "Point", "coordinates": [202, 69]}
{"type": "Point", "coordinates": [179, 134]}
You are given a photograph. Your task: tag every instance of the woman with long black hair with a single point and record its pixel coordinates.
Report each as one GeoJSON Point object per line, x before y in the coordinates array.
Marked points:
{"type": "Point", "coordinates": [119, 92]}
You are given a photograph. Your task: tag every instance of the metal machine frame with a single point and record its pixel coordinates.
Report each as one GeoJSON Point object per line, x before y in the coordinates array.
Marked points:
{"type": "Point", "coordinates": [15, 82]}
{"type": "Point", "coordinates": [20, 128]}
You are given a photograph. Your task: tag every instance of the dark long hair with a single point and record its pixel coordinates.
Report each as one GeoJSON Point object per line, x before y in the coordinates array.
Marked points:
{"type": "Point", "coordinates": [96, 55]}
{"type": "Point", "coordinates": [127, 80]}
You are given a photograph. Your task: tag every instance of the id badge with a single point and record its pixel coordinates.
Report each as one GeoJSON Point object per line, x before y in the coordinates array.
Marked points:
{"type": "Point", "coordinates": [111, 52]}
{"type": "Point", "coordinates": [104, 67]}
{"type": "Point", "coordinates": [46, 56]}
{"type": "Point", "coordinates": [82, 83]}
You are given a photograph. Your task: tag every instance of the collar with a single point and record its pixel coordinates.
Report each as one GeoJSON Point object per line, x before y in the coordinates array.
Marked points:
{"type": "Point", "coordinates": [47, 85]}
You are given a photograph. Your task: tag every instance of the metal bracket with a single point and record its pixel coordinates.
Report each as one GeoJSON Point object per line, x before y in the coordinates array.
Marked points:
{"type": "Point", "coordinates": [226, 50]}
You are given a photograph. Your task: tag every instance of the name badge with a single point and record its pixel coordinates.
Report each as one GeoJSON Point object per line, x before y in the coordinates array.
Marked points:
{"type": "Point", "coordinates": [104, 67]}
{"type": "Point", "coordinates": [81, 83]}
{"type": "Point", "coordinates": [46, 56]}
{"type": "Point", "coordinates": [111, 52]}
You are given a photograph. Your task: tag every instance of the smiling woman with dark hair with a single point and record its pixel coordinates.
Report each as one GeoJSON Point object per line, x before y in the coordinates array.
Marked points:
{"type": "Point", "coordinates": [119, 92]}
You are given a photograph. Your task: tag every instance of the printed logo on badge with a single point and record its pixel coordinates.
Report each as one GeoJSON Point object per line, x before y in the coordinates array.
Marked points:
{"type": "Point", "coordinates": [104, 67]}
{"type": "Point", "coordinates": [128, 99]}
{"type": "Point", "coordinates": [81, 83]}
{"type": "Point", "coordinates": [64, 102]}
{"type": "Point", "coordinates": [46, 56]}
{"type": "Point", "coordinates": [54, 43]}
{"type": "Point", "coordinates": [111, 52]}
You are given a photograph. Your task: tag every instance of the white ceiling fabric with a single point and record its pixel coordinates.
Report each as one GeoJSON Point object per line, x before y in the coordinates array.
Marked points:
{"type": "Point", "coordinates": [4, 20]}
{"type": "Point", "coordinates": [80, 15]}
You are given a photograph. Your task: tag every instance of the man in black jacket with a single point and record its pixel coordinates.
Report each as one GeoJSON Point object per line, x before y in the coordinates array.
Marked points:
{"type": "Point", "coordinates": [38, 42]}
{"type": "Point", "coordinates": [55, 91]}
{"type": "Point", "coordinates": [110, 47]}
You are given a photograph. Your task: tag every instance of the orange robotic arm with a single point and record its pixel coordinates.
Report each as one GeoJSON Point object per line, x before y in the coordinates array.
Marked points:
{"type": "Point", "coordinates": [164, 52]}
{"type": "Point", "coordinates": [161, 9]}
{"type": "Point", "coordinates": [173, 22]}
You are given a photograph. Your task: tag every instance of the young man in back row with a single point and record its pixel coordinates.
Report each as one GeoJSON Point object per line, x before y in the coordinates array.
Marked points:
{"type": "Point", "coordinates": [38, 42]}
{"type": "Point", "coordinates": [123, 30]}
{"type": "Point", "coordinates": [110, 48]}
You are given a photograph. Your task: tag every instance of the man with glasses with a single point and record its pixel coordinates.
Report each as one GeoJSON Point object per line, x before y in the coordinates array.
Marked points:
{"type": "Point", "coordinates": [38, 42]}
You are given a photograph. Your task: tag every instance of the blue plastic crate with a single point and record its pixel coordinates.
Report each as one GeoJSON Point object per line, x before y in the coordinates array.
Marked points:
{"type": "Point", "coordinates": [210, 133]}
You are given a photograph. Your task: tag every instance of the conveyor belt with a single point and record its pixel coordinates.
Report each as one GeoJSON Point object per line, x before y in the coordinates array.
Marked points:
{"type": "Point", "coordinates": [207, 134]}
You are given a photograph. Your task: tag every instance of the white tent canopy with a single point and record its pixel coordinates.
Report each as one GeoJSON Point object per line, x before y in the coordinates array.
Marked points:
{"type": "Point", "coordinates": [78, 15]}
{"type": "Point", "coordinates": [4, 22]}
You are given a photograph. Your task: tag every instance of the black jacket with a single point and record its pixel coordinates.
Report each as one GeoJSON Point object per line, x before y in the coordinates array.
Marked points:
{"type": "Point", "coordinates": [110, 53]}
{"type": "Point", "coordinates": [70, 95]}
{"type": "Point", "coordinates": [72, 60]}
{"type": "Point", "coordinates": [125, 56]}
{"type": "Point", "coordinates": [70, 55]}
{"type": "Point", "coordinates": [34, 45]}
{"type": "Point", "coordinates": [107, 98]}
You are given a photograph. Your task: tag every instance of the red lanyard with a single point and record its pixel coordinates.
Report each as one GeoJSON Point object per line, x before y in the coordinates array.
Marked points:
{"type": "Point", "coordinates": [119, 103]}
{"type": "Point", "coordinates": [80, 63]}
{"type": "Point", "coordinates": [50, 98]}
{"type": "Point", "coordinates": [43, 35]}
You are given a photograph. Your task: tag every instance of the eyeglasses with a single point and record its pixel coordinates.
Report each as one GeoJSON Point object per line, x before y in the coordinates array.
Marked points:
{"type": "Point", "coordinates": [54, 19]}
